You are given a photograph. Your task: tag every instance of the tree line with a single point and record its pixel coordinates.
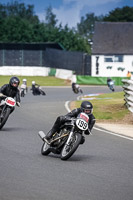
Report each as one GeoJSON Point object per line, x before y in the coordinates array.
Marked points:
{"type": "Point", "coordinates": [20, 24]}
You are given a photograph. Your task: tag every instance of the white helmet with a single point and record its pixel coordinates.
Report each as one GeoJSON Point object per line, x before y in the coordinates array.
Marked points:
{"type": "Point", "coordinates": [24, 80]}
{"type": "Point", "coordinates": [33, 82]}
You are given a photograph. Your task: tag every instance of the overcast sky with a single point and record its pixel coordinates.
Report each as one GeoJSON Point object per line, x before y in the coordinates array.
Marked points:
{"type": "Point", "coordinates": [70, 11]}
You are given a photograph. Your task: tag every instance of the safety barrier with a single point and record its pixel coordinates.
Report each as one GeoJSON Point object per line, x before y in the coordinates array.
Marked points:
{"type": "Point", "coordinates": [128, 96]}
{"type": "Point", "coordinates": [91, 80]}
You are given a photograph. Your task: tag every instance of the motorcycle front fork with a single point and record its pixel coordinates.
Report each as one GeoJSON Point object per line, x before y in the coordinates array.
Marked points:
{"type": "Point", "coordinates": [70, 136]}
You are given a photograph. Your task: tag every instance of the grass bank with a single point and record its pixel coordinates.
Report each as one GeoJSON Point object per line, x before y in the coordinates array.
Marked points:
{"type": "Point", "coordinates": [109, 108]}
{"type": "Point", "coordinates": [41, 80]}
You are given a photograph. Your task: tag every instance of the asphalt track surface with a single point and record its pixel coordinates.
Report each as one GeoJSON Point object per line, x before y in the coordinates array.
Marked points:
{"type": "Point", "coordinates": [101, 168]}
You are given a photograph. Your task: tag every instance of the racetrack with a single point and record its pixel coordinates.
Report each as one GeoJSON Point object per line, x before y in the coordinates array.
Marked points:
{"type": "Point", "coordinates": [101, 169]}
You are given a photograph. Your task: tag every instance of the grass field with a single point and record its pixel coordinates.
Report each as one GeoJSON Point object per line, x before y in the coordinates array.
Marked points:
{"type": "Point", "coordinates": [41, 80]}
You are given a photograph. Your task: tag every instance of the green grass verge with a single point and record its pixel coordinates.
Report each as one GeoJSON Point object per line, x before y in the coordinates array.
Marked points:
{"type": "Point", "coordinates": [41, 80]}
{"type": "Point", "coordinates": [108, 107]}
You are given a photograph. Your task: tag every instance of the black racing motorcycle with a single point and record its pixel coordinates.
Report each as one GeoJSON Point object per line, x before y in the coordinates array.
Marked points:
{"type": "Point", "coordinates": [6, 106]}
{"type": "Point", "coordinates": [68, 139]}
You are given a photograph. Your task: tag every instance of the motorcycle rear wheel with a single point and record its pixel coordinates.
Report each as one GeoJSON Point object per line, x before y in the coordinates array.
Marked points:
{"type": "Point", "coordinates": [68, 151]}
{"type": "Point", "coordinates": [45, 149]}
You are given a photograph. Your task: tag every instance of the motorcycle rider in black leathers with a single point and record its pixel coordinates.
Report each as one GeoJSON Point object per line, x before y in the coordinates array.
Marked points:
{"type": "Point", "coordinates": [85, 107]}
{"type": "Point", "coordinates": [76, 88]}
{"type": "Point", "coordinates": [36, 90]}
{"type": "Point", "coordinates": [11, 90]}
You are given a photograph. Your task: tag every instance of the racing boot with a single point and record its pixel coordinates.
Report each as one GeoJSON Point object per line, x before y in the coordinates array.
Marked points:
{"type": "Point", "coordinates": [44, 137]}
{"type": "Point", "coordinates": [50, 134]}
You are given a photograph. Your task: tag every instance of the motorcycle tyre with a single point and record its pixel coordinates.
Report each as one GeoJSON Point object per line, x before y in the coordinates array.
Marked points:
{"type": "Point", "coordinates": [42, 92]}
{"type": "Point", "coordinates": [22, 94]}
{"type": "Point", "coordinates": [74, 148]}
{"type": "Point", "coordinates": [76, 91]}
{"type": "Point", "coordinates": [8, 110]}
{"type": "Point", "coordinates": [81, 91]}
{"type": "Point", "coordinates": [45, 152]}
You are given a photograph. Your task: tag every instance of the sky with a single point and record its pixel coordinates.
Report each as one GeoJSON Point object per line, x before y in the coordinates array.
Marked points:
{"type": "Point", "coordinates": [70, 11]}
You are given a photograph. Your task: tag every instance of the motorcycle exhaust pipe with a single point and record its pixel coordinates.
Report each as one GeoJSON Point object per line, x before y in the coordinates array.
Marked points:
{"type": "Point", "coordinates": [41, 135]}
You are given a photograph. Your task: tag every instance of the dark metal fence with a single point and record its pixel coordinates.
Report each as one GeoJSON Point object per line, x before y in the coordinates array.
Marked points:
{"type": "Point", "coordinates": [44, 55]}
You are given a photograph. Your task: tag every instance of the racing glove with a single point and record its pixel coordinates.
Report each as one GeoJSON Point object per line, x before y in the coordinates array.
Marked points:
{"type": "Point", "coordinates": [18, 104]}
{"type": "Point", "coordinates": [1, 95]}
{"type": "Point", "coordinates": [87, 132]}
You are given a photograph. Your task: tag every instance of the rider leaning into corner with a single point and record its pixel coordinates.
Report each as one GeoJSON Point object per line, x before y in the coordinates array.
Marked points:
{"type": "Point", "coordinates": [35, 89]}
{"type": "Point", "coordinates": [85, 107]}
{"type": "Point", "coordinates": [11, 90]}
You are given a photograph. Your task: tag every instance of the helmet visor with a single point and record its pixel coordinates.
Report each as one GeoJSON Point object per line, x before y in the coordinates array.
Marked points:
{"type": "Point", "coordinates": [15, 84]}
{"type": "Point", "coordinates": [87, 111]}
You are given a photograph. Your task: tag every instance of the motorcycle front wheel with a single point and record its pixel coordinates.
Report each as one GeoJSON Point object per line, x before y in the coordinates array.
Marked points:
{"type": "Point", "coordinates": [68, 150]}
{"type": "Point", "coordinates": [22, 93]}
{"type": "Point", "coordinates": [4, 118]}
{"type": "Point", "coordinates": [45, 149]}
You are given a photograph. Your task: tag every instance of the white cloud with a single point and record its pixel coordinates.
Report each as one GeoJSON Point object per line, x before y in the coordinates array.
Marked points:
{"type": "Point", "coordinates": [68, 16]}
{"type": "Point", "coordinates": [90, 2]}
{"type": "Point", "coordinates": [69, 13]}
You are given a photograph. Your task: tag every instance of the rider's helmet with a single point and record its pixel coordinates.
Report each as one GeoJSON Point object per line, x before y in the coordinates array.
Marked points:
{"type": "Point", "coordinates": [87, 107]}
{"type": "Point", "coordinates": [24, 81]}
{"type": "Point", "coordinates": [14, 82]}
{"type": "Point", "coordinates": [33, 83]}
{"type": "Point", "coordinates": [108, 79]}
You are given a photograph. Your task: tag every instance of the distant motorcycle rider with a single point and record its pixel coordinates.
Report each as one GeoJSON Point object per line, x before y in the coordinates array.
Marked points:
{"type": "Point", "coordinates": [36, 90]}
{"type": "Point", "coordinates": [76, 88]}
{"type": "Point", "coordinates": [11, 90]}
{"type": "Point", "coordinates": [109, 80]}
{"type": "Point", "coordinates": [24, 85]}
{"type": "Point", "coordinates": [110, 84]}
{"type": "Point", "coordinates": [85, 107]}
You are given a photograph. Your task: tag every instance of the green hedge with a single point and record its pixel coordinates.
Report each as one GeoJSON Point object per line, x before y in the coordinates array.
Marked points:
{"type": "Point", "coordinates": [89, 80]}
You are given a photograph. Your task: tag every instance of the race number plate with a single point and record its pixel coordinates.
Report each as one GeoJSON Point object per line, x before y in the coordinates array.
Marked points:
{"type": "Point", "coordinates": [10, 101]}
{"type": "Point", "coordinates": [82, 124]}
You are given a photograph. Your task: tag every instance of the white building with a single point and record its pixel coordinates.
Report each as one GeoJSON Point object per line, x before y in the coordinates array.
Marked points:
{"type": "Point", "coordinates": [112, 49]}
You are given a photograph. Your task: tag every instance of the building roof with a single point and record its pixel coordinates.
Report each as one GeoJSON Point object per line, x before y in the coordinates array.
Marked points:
{"type": "Point", "coordinates": [113, 38]}
{"type": "Point", "coordinates": [31, 46]}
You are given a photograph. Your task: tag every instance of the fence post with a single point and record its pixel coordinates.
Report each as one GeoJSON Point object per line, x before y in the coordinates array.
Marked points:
{"type": "Point", "coordinates": [84, 62]}
{"type": "Point", "coordinates": [3, 57]}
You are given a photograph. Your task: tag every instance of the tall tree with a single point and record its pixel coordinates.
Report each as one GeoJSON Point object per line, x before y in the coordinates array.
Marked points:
{"type": "Point", "coordinates": [86, 26]}
{"type": "Point", "coordinates": [50, 17]}
{"type": "Point", "coordinates": [15, 8]}
{"type": "Point", "coordinates": [124, 14]}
